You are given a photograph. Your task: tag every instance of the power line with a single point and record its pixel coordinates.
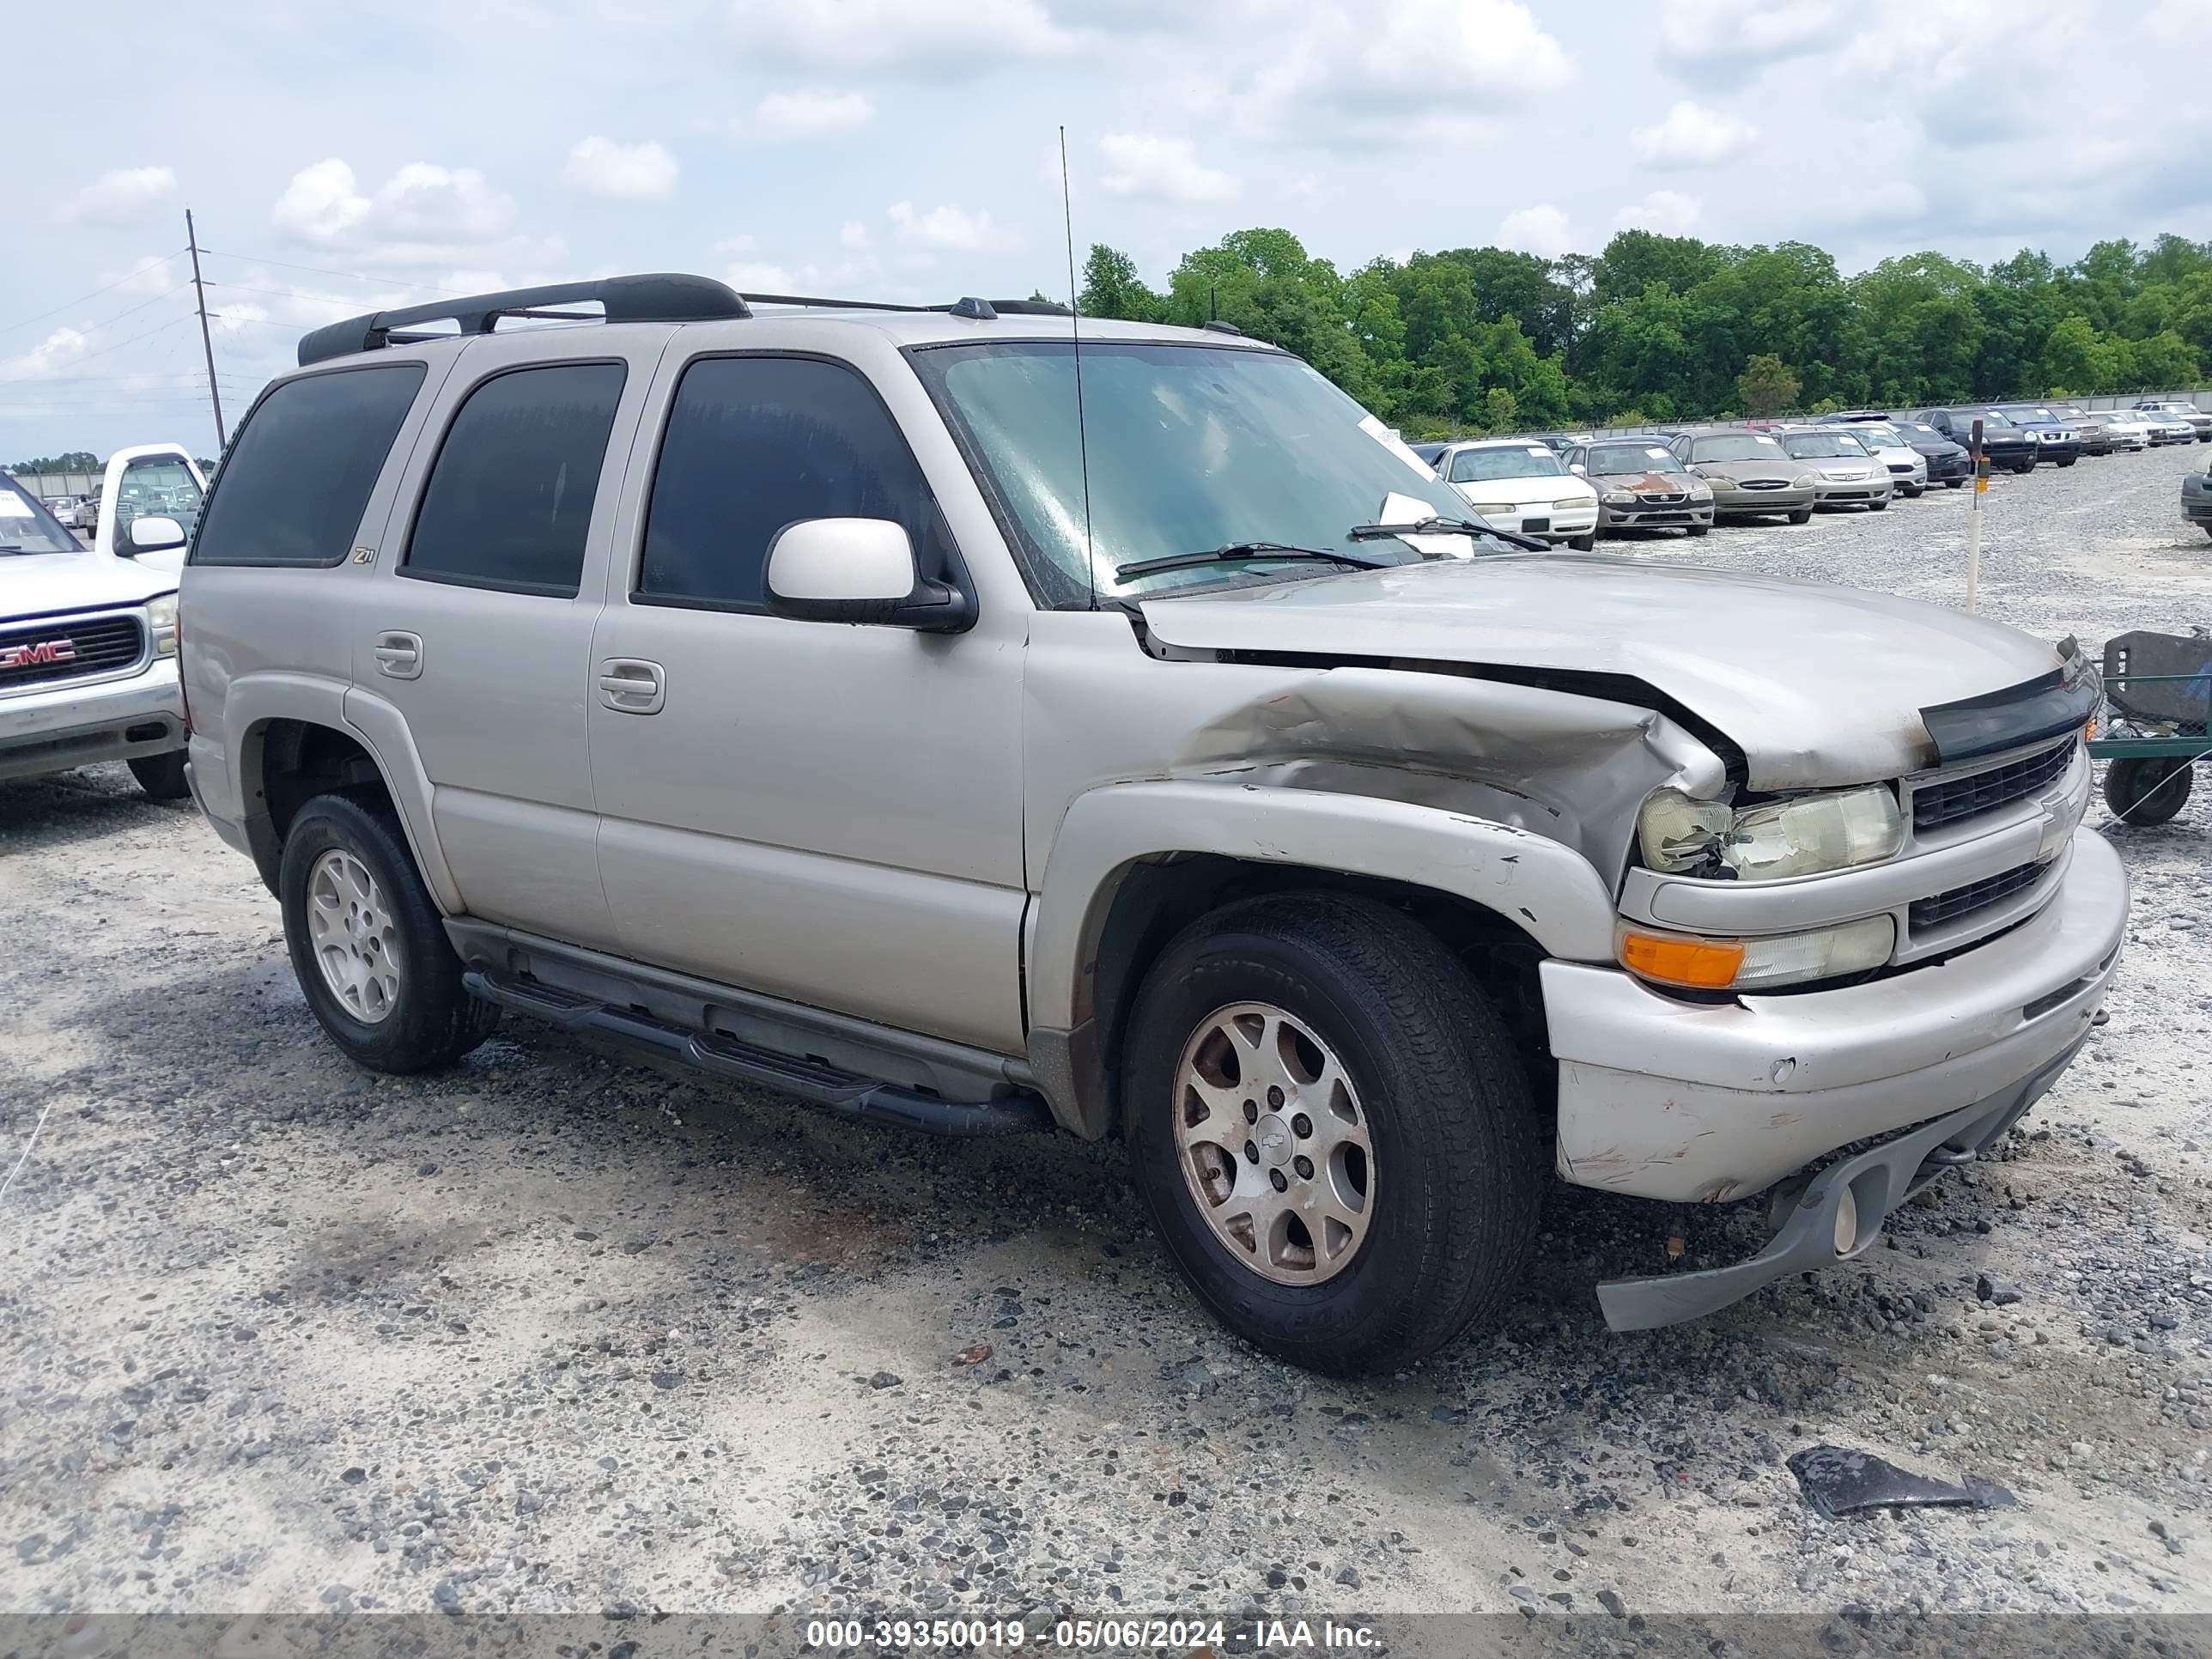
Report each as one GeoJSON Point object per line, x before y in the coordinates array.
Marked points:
{"type": "Point", "coordinates": [131, 275]}
{"type": "Point", "coordinates": [324, 270]}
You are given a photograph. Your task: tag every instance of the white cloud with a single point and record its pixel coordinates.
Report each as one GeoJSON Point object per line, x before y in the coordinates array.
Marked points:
{"type": "Point", "coordinates": [1377, 69]}
{"type": "Point", "coordinates": [1540, 230]}
{"type": "Point", "coordinates": [150, 275]}
{"type": "Point", "coordinates": [1692, 137]}
{"type": "Point", "coordinates": [121, 196]}
{"type": "Point", "coordinates": [944, 226]}
{"type": "Point", "coordinates": [1667, 211]}
{"type": "Point", "coordinates": [1735, 38]}
{"type": "Point", "coordinates": [628, 172]}
{"type": "Point", "coordinates": [929, 38]}
{"type": "Point", "coordinates": [1154, 168]}
{"type": "Point", "coordinates": [422, 215]}
{"type": "Point", "coordinates": [852, 234]}
{"type": "Point", "coordinates": [809, 111]}
{"type": "Point", "coordinates": [1891, 201]}
{"type": "Point", "coordinates": [52, 354]}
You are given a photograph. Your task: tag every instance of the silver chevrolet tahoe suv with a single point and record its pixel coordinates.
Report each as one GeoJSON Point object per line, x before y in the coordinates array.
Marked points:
{"type": "Point", "coordinates": [89, 648]}
{"type": "Point", "coordinates": [962, 723]}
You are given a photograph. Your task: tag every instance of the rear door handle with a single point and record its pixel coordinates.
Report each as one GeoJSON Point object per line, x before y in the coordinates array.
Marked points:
{"type": "Point", "coordinates": [631, 685]}
{"type": "Point", "coordinates": [399, 655]}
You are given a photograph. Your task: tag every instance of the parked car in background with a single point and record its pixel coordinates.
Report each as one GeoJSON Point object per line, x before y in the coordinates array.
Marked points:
{"type": "Point", "coordinates": [2092, 428]}
{"type": "Point", "coordinates": [1361, 890]}
{"type": "Point", "coordinates": [2054, 441]}
{"type": "Point", "coordinates": [2007, 445]}
{"type": "Point", "coordinates": [2167, 427]}
{"type": "Point", "coordinates": [88, 650]}
{"type": "Point", "coordinates": [1908, 472]}
{"type": "Point", "coordinates": [1849, 474]}
{"type": "Point", "coordinates": [1642, 486]}
{"type": "Point", "coordinates": [1947, 463]}
{"type": "Point", "coordinates": [2117, 430]}
{"type": "Point", "coordinates": [63, 507]}
{"type": "Point", "coordinates": [1429, 452]}
{"type": "Point", "coordinates": [1558, 442]}
{"type": "Point", "coordinates": [1750, 474]}
{"type": "Point", "coordinates": [85, 515]}
{"type": "Point", "coordinates": [1517, 484]}
{"type": "Point", "coordinates": [2196, 499]}
{"type": "Point", "coordinates": [2200, 420]}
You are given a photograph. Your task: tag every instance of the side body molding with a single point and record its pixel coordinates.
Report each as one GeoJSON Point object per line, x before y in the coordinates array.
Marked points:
{"type": "Point", "coordinates": [1541, 885]}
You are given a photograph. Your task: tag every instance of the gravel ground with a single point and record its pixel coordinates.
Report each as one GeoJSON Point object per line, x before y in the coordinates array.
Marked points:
{"type": "Point", "coordinates": [556, 1332]}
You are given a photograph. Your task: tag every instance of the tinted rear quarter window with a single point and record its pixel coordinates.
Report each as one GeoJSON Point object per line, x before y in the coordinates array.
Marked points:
{"type": "Point", "coordinates": [297, 478]}
{"type": "Point", "coordinates": [756, 443]}
{"type": "Point", "coordinates": [510, 496]}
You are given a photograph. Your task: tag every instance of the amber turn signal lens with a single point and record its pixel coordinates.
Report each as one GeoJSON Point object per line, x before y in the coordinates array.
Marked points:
{"type": "Point", "coordinates": [1702, 963]}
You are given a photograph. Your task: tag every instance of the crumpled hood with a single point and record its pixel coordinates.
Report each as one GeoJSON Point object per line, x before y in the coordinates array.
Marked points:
{"type": "Point", "coordinates": [1817, 684]}
{"type": "Point", "coordinates": [44, 584]}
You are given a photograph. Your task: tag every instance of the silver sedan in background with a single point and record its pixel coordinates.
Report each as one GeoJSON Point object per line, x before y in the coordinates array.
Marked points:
{"type": "Point", "coordinates": [1750, 473]}
{"type": "Point", "coordinates": [1850, 475]}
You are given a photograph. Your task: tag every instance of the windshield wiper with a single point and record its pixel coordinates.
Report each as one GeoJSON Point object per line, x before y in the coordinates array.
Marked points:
{"type": "Point", "coordinates": [1235, 550]}
{"type": "Point", "coordinates": [1368, 533]}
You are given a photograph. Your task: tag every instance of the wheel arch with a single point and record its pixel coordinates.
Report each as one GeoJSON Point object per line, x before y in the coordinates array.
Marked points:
{"type": "Point", "coordinates": [1134, 864]}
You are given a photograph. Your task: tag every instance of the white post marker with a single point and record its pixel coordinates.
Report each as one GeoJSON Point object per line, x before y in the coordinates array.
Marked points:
{"type": "Point", "coordinates": [1974, 525]}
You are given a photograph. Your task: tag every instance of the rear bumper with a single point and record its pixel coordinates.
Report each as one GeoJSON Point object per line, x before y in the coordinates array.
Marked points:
{"type": "Point", "coordinates": [70, 725]}
{"type": "Point", "coordinates": [1707, 1101]}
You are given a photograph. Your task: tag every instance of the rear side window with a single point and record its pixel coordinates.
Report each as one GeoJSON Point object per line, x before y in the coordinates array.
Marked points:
{"type": "Point", "coordinates": [297, 477]}
{"type": "Point", "coordinates": [510, 495]}
{"type": "Point", "coordinates": [756, 443]}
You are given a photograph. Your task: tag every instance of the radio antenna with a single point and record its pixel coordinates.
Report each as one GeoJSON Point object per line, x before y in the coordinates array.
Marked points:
{"type": "Point", "coordinates": [1075, 336]}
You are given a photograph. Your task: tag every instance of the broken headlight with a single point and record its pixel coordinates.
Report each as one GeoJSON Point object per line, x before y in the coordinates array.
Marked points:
{"type": "Point", "coordinates": [1804, 835]}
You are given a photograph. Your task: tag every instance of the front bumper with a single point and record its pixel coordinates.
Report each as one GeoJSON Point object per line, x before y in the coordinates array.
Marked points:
{"type": "Point", "coordinates": [1840, 492]}
{"type": "Point", "coordinates": [1555, 523]}
{"type": "Point", "coordinates": [1659, 516]}
{"type": "Point", "coordinates": [68, 725]}
{"type": "Point", "coordinates": [1692, 1101]}
{"type": "Point", "coordinates": [1746, 503]}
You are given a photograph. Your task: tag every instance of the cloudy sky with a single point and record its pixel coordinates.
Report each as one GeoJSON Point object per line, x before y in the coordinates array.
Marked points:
{"type": "Point", "coordinates": [906, 149]}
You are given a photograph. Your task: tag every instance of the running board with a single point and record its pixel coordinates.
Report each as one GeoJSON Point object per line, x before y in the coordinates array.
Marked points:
{"type": "Point", "coordinates": [720, 1054]}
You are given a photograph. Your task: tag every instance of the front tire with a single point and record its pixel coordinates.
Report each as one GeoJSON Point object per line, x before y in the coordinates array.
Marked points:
{"type": "Point", "coordinates": [1955, 483]}
{"type": "Point", "coordinates": [1585, 543]}
{"type": "Point", "coordinates": [2148, 790]}
{"type": "Point", "coordinates": [1878, 507]}
{"type": "Point", "coordinates": [1700, 529]}
{"type": "Point", "coordinates": [365, 942]}
{"type": "Point", "coordinates": [1333, 1136]}
{"type": "Point", "coordinates": [1913, 492]}
{"type": "Point", "coordinates": [162, 776]}
{"type": "Point", "coordinates": [2064, 460]}
{"type": "Point", "coordinates": [1801, 515]}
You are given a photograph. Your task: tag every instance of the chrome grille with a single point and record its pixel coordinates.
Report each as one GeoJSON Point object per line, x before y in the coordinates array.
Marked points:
{"type": "Point", "coordinates": [40, 653]}
{"type": "Point", "coordinates": [1941, 907]}
{"type": "Point", "coordinates": [1946, 800]}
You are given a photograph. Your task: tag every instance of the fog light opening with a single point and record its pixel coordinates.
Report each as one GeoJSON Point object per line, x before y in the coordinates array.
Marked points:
{"type": "Point", "coordinates": [1847, 1222]}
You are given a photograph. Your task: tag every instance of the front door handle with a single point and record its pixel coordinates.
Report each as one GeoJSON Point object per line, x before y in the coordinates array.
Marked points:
{"type": "Point", "coordinates": [399, 655]}
{"type": "Point", "coordinates": [631, 685]}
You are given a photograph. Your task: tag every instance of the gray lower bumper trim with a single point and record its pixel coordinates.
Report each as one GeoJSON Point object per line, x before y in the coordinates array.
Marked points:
{"type": "Point", "coordinates": [1878, 1180]}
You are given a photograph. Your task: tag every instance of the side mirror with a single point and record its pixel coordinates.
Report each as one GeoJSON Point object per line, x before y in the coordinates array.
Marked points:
{"type": "Point", "coordinates": [858, 570]}
{"type": "Point", "coordinates": [1577, 469]}
{"type": "Point", "coordinates": [153, 534]}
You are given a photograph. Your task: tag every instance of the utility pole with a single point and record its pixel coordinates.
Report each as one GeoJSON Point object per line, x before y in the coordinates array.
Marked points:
{"type": "Point", "coordinates": [207, 342]}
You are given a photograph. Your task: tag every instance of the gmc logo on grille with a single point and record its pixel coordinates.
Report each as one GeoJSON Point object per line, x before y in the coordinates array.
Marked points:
{"type": "Point", "coordinates": [35, 656]}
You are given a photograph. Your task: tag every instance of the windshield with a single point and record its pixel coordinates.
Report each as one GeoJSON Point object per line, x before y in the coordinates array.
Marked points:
{"type": "Point", "coordinates": [1622, 461]}
{"type": "Point", "coordinates": [1188, 448]}
{"type": "Point", "coordinates": [1824, 446]}
{"type": "Point", "coordinates": [26, 526]}
{"type": "Point", "coordinates": [1505, 461]}
{"type": "Point", "coordinates": [1991, 417]}
{"type": "Point", "coordinates": [1737, 446]}
{"type": "Point", "coordinates": [1875, 436]}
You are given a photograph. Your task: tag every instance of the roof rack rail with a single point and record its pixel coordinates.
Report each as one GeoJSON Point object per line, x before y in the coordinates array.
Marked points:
{"type": "Point", "coordinates": [967, 306]}
{"type": "Point", "coordinates": [660, 298]}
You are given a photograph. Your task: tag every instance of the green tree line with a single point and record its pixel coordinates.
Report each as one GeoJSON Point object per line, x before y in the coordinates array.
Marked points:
{"type": "Point", "coordinates": [1661, 328]}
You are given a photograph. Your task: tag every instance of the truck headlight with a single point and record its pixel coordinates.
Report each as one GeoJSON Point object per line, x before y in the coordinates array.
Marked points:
{"type": "Point", "coordinates": [1751, 964]}
{"type": "Point", "coordinates": [1802, 836]}
{"type": "Point", "coordinates": [161, 623]}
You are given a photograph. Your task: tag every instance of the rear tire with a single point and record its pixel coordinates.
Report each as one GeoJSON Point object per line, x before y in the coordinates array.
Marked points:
{"type": "Point", "coordinates": [1801, 515]}
{"type": "Point", "coordinates": [1309, 989]}
{"type": "Point", "coordinates": [162, 776]}
{"type": "Point", "coordinates": [2147, 791]}
{"type": "Point", "coordinates": [366, 942]}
